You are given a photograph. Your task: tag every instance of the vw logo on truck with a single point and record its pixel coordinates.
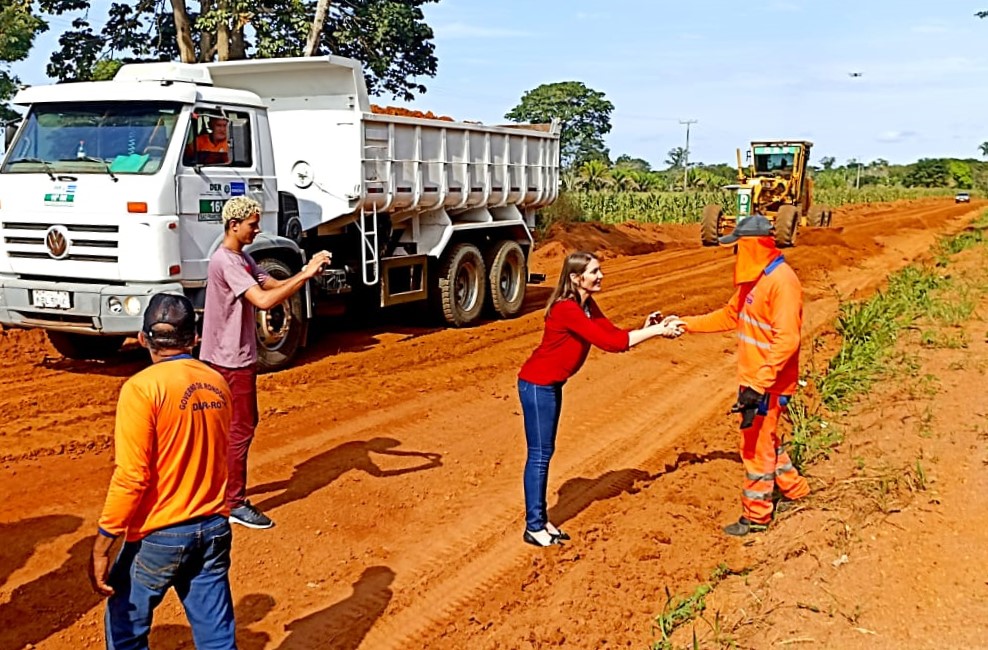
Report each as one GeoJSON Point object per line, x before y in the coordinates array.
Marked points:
{"type": "Point", "coordinates": [57, 241]}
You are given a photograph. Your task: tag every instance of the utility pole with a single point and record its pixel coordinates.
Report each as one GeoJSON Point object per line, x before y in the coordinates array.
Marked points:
{"type": "Point", "coordinates": [857, 183]}
{"type": "Point", "coordinates": [686, 154]}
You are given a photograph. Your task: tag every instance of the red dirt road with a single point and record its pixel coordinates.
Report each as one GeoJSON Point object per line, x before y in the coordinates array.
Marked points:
{"type": "Point", "coordinates": [391, 460]}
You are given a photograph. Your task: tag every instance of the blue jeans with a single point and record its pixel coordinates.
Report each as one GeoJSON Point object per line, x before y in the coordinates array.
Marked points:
{"type": "Point", "coordinates": [193, 557]}
{"type": "Point", "coordinates": [541, 406]}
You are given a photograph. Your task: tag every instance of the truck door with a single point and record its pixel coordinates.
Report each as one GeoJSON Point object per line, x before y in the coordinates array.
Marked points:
{"type": "Point", "coordinates": [222, 159]}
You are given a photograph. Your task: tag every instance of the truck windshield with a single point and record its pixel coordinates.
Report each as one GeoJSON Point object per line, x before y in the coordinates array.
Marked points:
{"type": "Point", "coordinates": [93, 138]}
{"type": "Point", "coordinates": [772, 160]}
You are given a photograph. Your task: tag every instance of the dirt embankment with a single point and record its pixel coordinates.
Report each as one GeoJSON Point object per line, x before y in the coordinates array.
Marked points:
{"type": "Point", "coordinates": [380, 543]}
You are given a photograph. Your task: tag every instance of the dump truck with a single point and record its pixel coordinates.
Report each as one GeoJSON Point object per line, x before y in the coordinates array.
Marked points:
{"type": "Point", "coordinates": [106, 198]}
{"type": "Point", "coordinates": [776, 185]}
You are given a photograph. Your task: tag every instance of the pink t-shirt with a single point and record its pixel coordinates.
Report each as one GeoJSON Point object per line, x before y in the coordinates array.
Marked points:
{"type": "Point", "coordinates": [229, 336]}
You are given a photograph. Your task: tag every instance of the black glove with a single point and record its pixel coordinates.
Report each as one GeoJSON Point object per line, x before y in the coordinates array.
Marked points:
{"type": "Point", "coordinates": [747, 405]}
{"type": "Point", "coordinates": [748, 396]}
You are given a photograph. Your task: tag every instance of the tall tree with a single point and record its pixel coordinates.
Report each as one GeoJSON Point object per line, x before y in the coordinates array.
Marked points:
{"type": "Point", "coordinates": [676, 157]}
{"type": "Point", "coordinates": [19, 26]}
{"type": "Point", "coordinates": [627, 162]}
{"type": "Point", "coordinates": [828, 162]}
{"type": "Point", "coordinates": [584, 113]}
{"type": "Point", "coordinates": [390, 37]}
{"type": "Point", "coordinates": [983, 148]}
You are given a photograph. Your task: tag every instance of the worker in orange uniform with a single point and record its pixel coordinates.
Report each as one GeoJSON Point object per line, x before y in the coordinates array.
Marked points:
{"type": "Point", "coordinates": [767, 312]}
{"type": "Point", "coordinates": [212, 147]}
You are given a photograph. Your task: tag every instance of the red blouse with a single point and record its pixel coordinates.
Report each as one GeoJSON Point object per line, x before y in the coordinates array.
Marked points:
{"type": "Point", "coordinates": [569, 333]}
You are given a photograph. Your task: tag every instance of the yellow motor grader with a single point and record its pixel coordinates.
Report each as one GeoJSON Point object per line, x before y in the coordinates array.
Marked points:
{"type": "Point", "coordinates": [775, 185]}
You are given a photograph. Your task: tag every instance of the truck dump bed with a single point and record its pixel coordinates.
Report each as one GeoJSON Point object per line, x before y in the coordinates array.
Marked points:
{"type": "Point", "coordinates": [339, 158]}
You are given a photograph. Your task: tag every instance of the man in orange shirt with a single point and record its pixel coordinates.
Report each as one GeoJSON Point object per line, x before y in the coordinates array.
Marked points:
{"type": "Point", "coordinates": [767, 312]}
{"type": "Point", "coordinates": [167, 494]}
{"type": "Point", "coordinates": [212, 147]}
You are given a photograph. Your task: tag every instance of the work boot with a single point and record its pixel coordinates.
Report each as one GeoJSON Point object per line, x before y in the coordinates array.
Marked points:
{"type": "Point", "coordinates": [743, 526]}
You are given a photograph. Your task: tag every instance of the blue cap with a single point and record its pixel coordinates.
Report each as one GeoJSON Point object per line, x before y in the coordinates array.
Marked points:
{"type": "Point", "coordinates": [754, 226]}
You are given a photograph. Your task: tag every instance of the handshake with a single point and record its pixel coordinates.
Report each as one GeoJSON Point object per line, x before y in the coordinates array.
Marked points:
{"type": "Point", "coordinates": [671, 326]}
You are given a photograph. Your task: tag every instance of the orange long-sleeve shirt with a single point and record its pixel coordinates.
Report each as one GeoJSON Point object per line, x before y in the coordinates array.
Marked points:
{"type": "Point", "coordinates": [171, 439]}
{"type": "Point", "coordinates": [768, 317]}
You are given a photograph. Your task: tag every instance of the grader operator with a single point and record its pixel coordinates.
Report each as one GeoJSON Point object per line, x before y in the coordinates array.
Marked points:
{"type": "Point", "coordinates": [775, 184]}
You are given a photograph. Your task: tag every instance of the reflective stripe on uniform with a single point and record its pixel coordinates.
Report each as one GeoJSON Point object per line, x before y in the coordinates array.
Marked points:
{"type": "Point", "coordinates": [757, 496]}
{"type": "Point", "coordinates": [756, 343]}
{"type": "Point", "coordinates": [757, 323]}
{"type": "Point", "coordinates": [760, 477]}
{"type": "Point", "coordinates": [782, 469]}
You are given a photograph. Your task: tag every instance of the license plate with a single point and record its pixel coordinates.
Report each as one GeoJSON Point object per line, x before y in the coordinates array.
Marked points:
{"type": "Point", "coordinates": [51, 299]}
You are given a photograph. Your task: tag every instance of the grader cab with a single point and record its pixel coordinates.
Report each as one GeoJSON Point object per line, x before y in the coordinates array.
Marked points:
{"type": "Point", "coordinates": [774, 184]}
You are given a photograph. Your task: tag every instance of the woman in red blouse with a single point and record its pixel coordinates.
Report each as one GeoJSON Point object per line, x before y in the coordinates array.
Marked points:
{"type": "Point", "coordinates": [573, 323]}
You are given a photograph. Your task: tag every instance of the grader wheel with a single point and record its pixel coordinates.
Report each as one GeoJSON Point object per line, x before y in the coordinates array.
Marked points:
{"type": "Point", "coordinates": [710, 228]}
{"type": "Point", "coordinates": [786, 224]}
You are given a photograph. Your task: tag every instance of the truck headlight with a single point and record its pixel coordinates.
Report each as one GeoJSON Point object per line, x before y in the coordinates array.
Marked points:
{"type": "Point", "coordinates": [115, 305]}
{"type": "Point", "coordinates": [132, 305]}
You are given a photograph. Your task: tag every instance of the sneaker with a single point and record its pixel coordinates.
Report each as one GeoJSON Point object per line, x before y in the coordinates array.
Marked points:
{"type": "Point", "coordinates": [247, 515]}
{"type": "Point", "coordinates": [743, 526]}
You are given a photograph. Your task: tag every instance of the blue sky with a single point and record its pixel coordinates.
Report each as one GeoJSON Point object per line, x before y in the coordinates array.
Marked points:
{"type": "Point", "coordinates": [763, 69]}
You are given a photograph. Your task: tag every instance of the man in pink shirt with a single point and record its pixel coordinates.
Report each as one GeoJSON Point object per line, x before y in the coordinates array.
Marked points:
{"type": "Point", "coordinates": [237, 286]}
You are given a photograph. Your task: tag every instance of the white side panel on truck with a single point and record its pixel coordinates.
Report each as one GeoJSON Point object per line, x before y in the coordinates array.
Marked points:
{"type": "Point", "coordinates": [412, 209]}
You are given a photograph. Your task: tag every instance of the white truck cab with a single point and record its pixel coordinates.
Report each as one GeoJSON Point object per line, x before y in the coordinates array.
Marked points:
{"type": "Point", "coordinates": [112, 191]}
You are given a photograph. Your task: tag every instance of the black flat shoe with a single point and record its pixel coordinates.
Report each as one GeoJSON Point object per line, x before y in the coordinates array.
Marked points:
{"type": "Point", "coordinates": [530, 539]}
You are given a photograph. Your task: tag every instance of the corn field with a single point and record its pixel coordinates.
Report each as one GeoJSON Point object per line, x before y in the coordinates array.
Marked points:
{"type": "Point", "coordinates": [677, 207]}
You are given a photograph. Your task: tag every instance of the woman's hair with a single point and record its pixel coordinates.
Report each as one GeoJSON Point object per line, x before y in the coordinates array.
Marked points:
{"type": "Point", "coordinates": [566, 289]}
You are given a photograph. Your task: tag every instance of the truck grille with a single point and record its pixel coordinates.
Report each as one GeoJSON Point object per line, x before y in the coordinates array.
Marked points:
{"type": "Point", "coordinates": [90, 243]}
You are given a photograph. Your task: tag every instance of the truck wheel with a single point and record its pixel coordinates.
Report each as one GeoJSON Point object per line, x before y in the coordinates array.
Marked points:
{"type": "Point", "coordinates": [710, 228]}
{"type": "Point", "coordinates": [786, 223]}
{"type": "Point", "coordinates": [829, 217]}
{"type": "Point", "coordinates": [83, 346]}
{"type": "Point", "coordinates": [506, 278]}
{"type": "Point", "coordinates": [817, 216]}
{"type": "Point", "coordinates": [281, 329]}
{"type": "Point", "coordinates": [461, 285]}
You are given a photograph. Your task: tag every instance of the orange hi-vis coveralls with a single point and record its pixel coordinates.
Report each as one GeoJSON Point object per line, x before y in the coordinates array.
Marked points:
{"type": "Point", "coordinates": [767, 312]}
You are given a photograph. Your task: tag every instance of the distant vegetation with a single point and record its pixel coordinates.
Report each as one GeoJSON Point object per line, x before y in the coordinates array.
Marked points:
{"type": "Point", "coordinates": [629, 189]}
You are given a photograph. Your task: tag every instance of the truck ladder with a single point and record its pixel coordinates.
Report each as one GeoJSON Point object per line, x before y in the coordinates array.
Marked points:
{"type": "Point", "coordinates": [368, 251]}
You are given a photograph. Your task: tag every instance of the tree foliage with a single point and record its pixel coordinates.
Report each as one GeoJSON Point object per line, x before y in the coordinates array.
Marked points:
{"type": "Point", "coordinates": [676, 158]}
{"type": "Point", "coordinates": [390, 37]}
{"type": "Point", "coordinates": [584, 113]}
{"type": "Point", "coordinates": [19, 25]}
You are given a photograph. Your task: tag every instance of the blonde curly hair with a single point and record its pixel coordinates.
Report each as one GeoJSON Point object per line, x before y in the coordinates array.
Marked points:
{"type": "Point", "coordinates": [239, 208]}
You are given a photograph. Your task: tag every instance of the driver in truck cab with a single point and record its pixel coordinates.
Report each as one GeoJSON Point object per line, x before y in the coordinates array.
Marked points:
{"type": "Point", "coordinates": [212, 146]}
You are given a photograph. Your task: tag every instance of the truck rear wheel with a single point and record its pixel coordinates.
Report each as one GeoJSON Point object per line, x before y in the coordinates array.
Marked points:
{"type": "Point", "coordinates": [84, 346]}
{"type": "Point", "coordinates": [461, 284]}
{"type": "Point", "coordinates": [507, 278]}
{"type": "Point", "coordinates": [281, 329]}
{"type": "Point", "coordinates": [786, 224]}
{"type": "Point", "coordinates": [710, 227]}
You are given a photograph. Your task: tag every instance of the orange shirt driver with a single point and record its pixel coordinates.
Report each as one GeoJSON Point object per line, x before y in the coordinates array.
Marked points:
{"type": "Point", "coordinates": [213, 148]}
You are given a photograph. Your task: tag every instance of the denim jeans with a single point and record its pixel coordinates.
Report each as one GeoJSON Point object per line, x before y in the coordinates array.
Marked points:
{"type": "Point", "coordinates": [193, 557]}
{"type": "Point", "coordinates": [541, 406]}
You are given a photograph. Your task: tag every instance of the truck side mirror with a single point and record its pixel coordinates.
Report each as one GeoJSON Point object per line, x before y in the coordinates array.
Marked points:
{"type": "Point", "coordinates": [9, 131]}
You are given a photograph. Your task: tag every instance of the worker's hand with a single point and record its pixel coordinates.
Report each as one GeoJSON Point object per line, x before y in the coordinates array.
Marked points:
{"type": "Point", "coordinates": [653, 319]}
{"type": "Point", "coordinates": [316, 264]}
{"type": "Point", "coordinates": [99, 566]}
{"type": "Point", "coordinates": [670, 327]}
{"type": "Point", "coordinates": [748, 397]}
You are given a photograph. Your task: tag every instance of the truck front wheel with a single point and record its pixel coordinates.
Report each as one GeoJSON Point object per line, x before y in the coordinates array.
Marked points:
{"type": "Point", "coordinates": [281, 329]}
{"type": "Point", "coordinates": [461, 284]}
{"type": "Point", "coordinates": [84, 346]}
{"type": "Point", "coordinates": [507, 278]}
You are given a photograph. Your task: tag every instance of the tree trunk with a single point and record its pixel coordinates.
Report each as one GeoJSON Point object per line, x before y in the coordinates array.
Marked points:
{"type": "Point", "coordinates": [207, 40]}
{"type": "Point", "coordinates": [183, 29]}
{"type": "Point", "coordinates": [312, 45]}
{"type": "Point", "coordinates": [223, 33]}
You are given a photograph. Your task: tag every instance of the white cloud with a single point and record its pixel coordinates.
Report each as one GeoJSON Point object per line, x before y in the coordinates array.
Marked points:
{"type": "Point", "coordinates": [463, 30]}
{"type": "Point", "coordinates": [896, 136]}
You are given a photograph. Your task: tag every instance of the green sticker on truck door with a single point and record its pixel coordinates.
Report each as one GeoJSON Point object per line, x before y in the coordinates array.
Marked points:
{"type": "Point", "coordinates": [211, 210]}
